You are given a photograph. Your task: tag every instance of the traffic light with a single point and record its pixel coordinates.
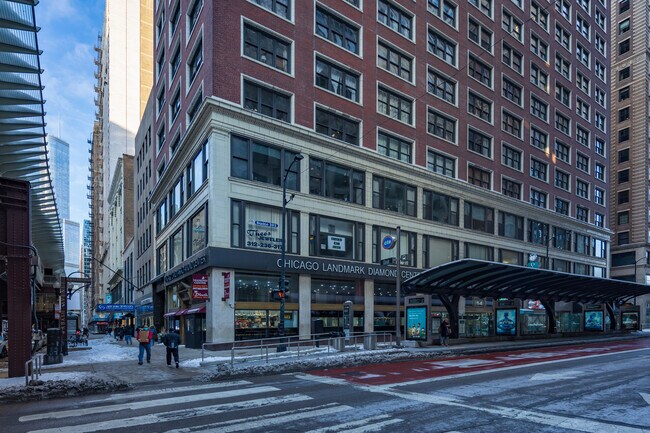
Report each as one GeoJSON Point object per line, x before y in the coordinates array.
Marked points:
{"type": "Point", "coordinates": [286, 285]}
{"type": "Point", "coordinates": [277, 295]}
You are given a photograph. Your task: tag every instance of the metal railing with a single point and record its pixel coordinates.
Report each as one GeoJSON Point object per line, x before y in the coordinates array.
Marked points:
{"type": "Point", "coordinates": [296, 346]}
{"type": "Point", "coordinates": [36, 363]}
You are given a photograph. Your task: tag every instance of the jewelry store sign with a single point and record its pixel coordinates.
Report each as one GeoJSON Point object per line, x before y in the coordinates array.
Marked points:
{"type": "Point", "coordinates": [360, 270]}
{"type": "Point", "coordinates": [264, 235]}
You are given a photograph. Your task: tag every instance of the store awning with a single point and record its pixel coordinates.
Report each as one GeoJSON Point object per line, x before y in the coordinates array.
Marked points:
{"type": "Point", "coordinates": [196, 310]}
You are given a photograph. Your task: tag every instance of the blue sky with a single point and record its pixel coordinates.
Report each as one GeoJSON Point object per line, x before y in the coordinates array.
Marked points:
{"type": "Point", "coordinates": [69, 30]}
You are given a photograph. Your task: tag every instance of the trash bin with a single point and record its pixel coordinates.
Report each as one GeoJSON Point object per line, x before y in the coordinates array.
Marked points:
{"type": "Point", "coordinates": [317, 328]}
{"type": "Point", "coordinates": [54, 354]}
{"type": "Point", "coordinates": [370, 342]}
{"type": "Point", "coordinates": [339, 344]}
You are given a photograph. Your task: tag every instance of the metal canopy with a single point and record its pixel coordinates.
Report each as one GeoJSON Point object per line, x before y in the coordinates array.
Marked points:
{"type": "Point", "coordinates": [23, 145]}
{"type": "Point", "coordinates": [483, 279]}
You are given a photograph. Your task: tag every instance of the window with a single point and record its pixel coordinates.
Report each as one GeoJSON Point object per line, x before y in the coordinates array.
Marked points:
{"type": "Point", "coordinates": [336, 181]}
{"type": "Point", "coordinates": [512, 58]}
{"type": "Point", "coordinates": [623, 238]}
{"type": "Point", "coordinates": [162, 136]}
{"type": "Point", "coordinates": [394, 105]}
{"type": "Point", "coordinates": [175, 106]}
{"type": "Point", "coordinates": [388, 194]}
{"type": "Point", "coordinates": [511, 124]}
{"type": "Point", "coordinates": [623, 6]}
{"type": "Point", "coordinates": [623, 114]}
{"type": "Point", "coordinates": [582, 109]}
{"type": "Point", "coordinates": [441, 86]}
{"type": "Point", "coordinates": [583, 55]}
{"type": "Point", "coordinates": [563, 66]}
{"type": "Point", "coordinates": [512, 25]}
{"type": "Point", "coordinates": [441, 126]}
{"type": "Point", "coordinates": [479, 252]}
{"type": "Point", "coordinates": [583, 27]}
{"type": "Point", "coordinates": [599, 121]}
{"type": "Point", "coordinates": [260, 162]}
{"type": "Point", "coordinates": [538, 232]}
{"type": "Point", "coordinates": [265, 48]}
{"type": "Point", "coordinates": [561, 206]}
{"type": "Point", "coordinates": [599, 196]}
{"type": "Point", "coordinates": [198, 232]}
{"type": "Point", "coordinates": [479, 177]}
{"type": "Point", "coordinates": [336, 126]}
{"type": "Point", "coordinates": [623, 218]}
{"type": "Point", "coordinates": [442, 47]}
{"type": "Point", "coordinates": [623, 197]}
{"type": "Point", "coordinates": [440, 208]}
{"type": "Point", "coordinates": [479, 218]}
{"type": "Point", "coordinates": [337, 30]}
{"type": "Point", "coordinates": [624, 94]}
{"type": "Point", "coordinates": [161, 259]}
{"type": "Point", "coordinates": [624, 73]}
{"type": "Point", "coordinates": [480, 35]}
{"type": "Point", "coordinates": [256, 226]}
{"type": "Point", "coordinates": [484, 6]}
{"type": "Point", "coordinates": [564, 7]}
{"type": "Point", "coordinates": [437, 251]}
{"type": "Point", "coordinates": [582, 244]}
{"type": "Point", "coordinates": [512, 91]}
{"type": "Point", "coordinates": [562, 123]}
{"type": "Point", "coordinates": [279, 7]}
{"type": "Point", "coordinates": [584, 4]}
{"type": "Point", "coordinates": [408, 241]}
{"type": "Point", "coordinates": [194, 108]}
{"type": "Point", "coordinates": [601, 19]}
{"type": "Point", "coordinates": [538, 169]}
{"type": "Point", "coordinates": [624, 176]}
{"type": "Point", "coordinates": [539, 47]}
{"type": "Point", "coordinates": [582, 213]}
{"type": "Point", "coordinates": [160, 64]}
{"type": "Point", "coordinates": [562, 151]}
{"type": "Point", "coordinates": [582, 189]}
{"type": "Point", "coordinates": [267, 101]}
{"type": "Point", "coordinates": [600, 97]}
{"type": "Point", "coordinates": [624, 155]}
{"type": "Point", "coordinates": [394, 61]}
{"type": "Point", "coordinates": [563, 36]}
{"type": "Point", "coordinates": [196, 60]}
{"type": "Point", "coordinates": [480, 71]}
{"type": "Point", "coordinates": [197, 170]}
{"type": "Point", "coordinates": [173, 147]}
{"type": "Point", "coordinates": [582, 136]}
{"type": "Point", "coordinates": [599, 220]}
{"type": "Point", "coordinates": [511, 188]}
{"type": "Point", "coordinates": [624, 47]}
{"type": "Point", "coordinates": [442, 164]}
{"type": "Point", "coordinates": [160, 26]}
{"type": "Point", "coordinates": [444, 10]}
{"type": "Point", "coordinates": [582, 82]}
{"type": "Point", "coordinates": [394, 147]}
{"type": "Point", "coordinates": [601, 71]}
{"type": "Point", "coordinates": [623, 135]}
{"type": "Point", "coordinates": [539, 14]}
{"type": "Point", "coordinates": [538, 108]}
{"type": "Point", "coordinates": [538, 77]}
{"type": "Point", "coordinates": [562, 179]}
{"type": "Point", "coordinates": [479, 143]}
{"type": "Point", "coordinates": [333, 237]}
{"type": "Point", "coordinates": [582, 162]}
{"type": "Point", "coordinates": [624, 26]}
{"type": "Point", "coordinates": [538, 139]}
{"type": "Point", "coordinates": [193, 15]}
{"type": "Point", "coordinates": [174, 63]}
{"type": "Point", "coordinates": [538, 198]}
{"type": "Point", "coordinates": [599, 171]}
{"type": "Point", "coordinates": [600, 44]}
{"type": "Point", "coordinates": [511, 157]}
{"type": "Point", "coordinates": [511, 226]}
{"type": "Point", "coordinates": [563, 94]}
{"type": "Point", "coordinates": [479, 106]}
{"type": "Point", "coordinates": [176, 248]}
{"type": "Point", "coordinates": [161, 99]}
{"type": "Point", "coordinates": [174, 20]}
{"type": "Point", "coordinates": [599, 146]}
{"type": "Point", "coordinates": [395, 18]}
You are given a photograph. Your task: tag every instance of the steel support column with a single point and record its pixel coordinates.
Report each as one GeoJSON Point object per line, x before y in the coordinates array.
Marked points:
{"type": "Point", "coordinates": [550, 314]}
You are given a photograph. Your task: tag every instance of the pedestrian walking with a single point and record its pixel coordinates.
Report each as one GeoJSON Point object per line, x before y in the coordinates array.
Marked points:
{"type": "Point", "coordinates": [171, 340]}
{"type": "Point", "coordinates": [128, 334]}
{"type": "Point", "coordinates": [144, 338]}
{"type": "Point", "coordinates": [155, 335]}
{"type": "Point", "coordinates": [444, 330]}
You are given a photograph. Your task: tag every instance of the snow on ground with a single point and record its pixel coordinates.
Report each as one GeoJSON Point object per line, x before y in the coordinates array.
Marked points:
{"type": "Point", "coordinates": [67, 376]}
{"type": "Point", "coordinates": [103, 349]}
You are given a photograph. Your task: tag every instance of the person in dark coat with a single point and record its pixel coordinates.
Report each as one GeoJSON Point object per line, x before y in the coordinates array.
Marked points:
{"type": "Point", "coordinates": [171, 340]}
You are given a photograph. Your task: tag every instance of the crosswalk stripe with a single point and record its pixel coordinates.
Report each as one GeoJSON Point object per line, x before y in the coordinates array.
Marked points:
{"type": "Point", "coordinates": [265, 420]}
{"type": "Point", "coordinates": [360, 423]}
{"type": "Point", "coordinates": [157, 392]}
{"type": "Point", "coordinates": [146, 404]}
{"type": "Point", "coordinates": [374, 427]}
{"type": "Point", "coordinates": [176, 415]}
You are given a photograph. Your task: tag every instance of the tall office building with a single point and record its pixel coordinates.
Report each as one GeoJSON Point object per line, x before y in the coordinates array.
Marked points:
{"type": "Point", "coordinates": [479, 140]}
{"type": "Point", "coordinates": [630, 190]}
{"type": "Point", "coordinates": [86, 268]}
{"type": "Point", "coordinates": [60, 171]}
{"type": "Point", "coordinates": [124, 75]}
{"type": "Point", "coordinates": [72, 251]}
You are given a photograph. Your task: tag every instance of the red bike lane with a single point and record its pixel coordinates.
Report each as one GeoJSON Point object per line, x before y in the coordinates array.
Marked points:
{"type": "Point", "coordinates": [407, 371]}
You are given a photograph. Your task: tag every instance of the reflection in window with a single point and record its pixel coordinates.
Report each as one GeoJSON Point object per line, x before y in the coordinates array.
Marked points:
{"type": "Point", "coordinates": [392, 195]}
{"type": "Point", "coordinates": [336, 181]}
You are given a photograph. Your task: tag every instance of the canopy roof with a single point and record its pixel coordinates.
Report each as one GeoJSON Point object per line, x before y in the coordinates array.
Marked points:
{"type": "Point", "coordinates": [479, 278]}
{"type": "Point", "coordinates": [23, 146]}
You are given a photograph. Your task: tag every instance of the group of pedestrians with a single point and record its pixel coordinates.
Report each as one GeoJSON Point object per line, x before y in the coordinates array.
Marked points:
{"type": "Point", "coordinates": [147, 337]}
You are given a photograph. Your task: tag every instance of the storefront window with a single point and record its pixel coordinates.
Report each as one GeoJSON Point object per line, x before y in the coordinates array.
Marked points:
{"type": "Point", "coordinates": [533, 321]}
{"type": "Point", "coordinates": [407, 246]}
{"type": "Point", "coordinates": [176, 244]}
{"type": "Point", "coordinates": [385, 293]}
{"type": "Point", "coordinates": [252, 324]}
{"type": "Point", "coordinates": [199, 232]}
{"type": "Point", "coordinates": [161, 259]}
{"type": "Point", "coordinates": [335, 238]}
{"type": "Point", "coordinates": [336, 292]}
{"type": "Point", "coordinates": [438, 251]}
{"type": "Point", "coordinates": [258, 227]}
{"type": "Point", "coordinates": [257, 288]}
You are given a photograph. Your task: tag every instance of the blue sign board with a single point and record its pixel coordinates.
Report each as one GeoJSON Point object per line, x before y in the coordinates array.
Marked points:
{"type": "Point", "coordinates": [388, 242]}
{"type": "Point", "coordinates": [115, 307]}
{"type": "Point", "coordinates": [416, 323]}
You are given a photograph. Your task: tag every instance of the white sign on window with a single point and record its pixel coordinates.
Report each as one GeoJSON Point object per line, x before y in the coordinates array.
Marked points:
{"type": "Point", "coordinates": [336, 243]}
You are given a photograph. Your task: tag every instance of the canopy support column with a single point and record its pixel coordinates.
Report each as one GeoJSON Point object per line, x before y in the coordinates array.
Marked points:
{"type": "Point", "coordinates": [549, 306]}
{"type": "Point", "coordinates": [612, 316]}
{"type": "Point", "coordinates": [452, 308]}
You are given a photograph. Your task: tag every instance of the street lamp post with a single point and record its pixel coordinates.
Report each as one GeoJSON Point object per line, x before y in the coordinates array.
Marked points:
{"type": "Point", "coordinates": [283, 253]}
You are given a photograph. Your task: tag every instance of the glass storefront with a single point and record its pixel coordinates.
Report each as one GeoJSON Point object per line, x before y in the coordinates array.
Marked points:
{"type": "Point", "coordinates": [262, 323]}
{"type": "Point", "coordinates": [336, 292]}
{"type": "Point", "coordinates": [533, 321]}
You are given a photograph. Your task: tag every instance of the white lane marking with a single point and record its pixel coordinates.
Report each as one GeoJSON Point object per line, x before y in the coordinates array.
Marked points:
{"type": "Point", "coordinates": [157, 392]}
{"type": "Point", "coordinates": [176, 415]}
{"type": "Point", "coordinates": [265, 420]}
{"type": "Point", "coordinates": [146, 404]}
{"type": "Point", "coordinates": [360, 425]}
{"type": "Point", "coordinates": [549, 377]}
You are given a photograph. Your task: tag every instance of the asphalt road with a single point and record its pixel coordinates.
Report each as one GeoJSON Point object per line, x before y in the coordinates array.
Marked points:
{"type": "Point", "coordinates": [599, 388]}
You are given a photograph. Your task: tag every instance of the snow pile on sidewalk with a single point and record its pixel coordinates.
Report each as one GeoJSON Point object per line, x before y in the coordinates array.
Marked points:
{"type": "Point", "coordinates": [52, 385]}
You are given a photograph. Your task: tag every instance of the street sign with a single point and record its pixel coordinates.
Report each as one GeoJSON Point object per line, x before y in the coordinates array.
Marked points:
{"type": "Point", "coordinates": [533, 265]}
{"type": "Point", "coordinates": [388, 261]}
{"type": "Point", "coordinates": [109, 298]}
{"type": "Point", "coordinates": [388, 243]}
{"type": "Point", "coordinates": [404, 257]}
